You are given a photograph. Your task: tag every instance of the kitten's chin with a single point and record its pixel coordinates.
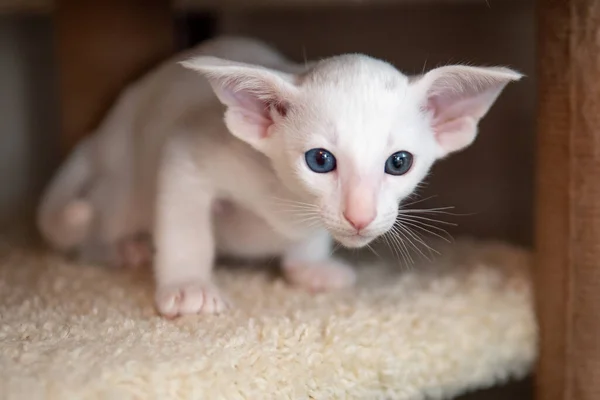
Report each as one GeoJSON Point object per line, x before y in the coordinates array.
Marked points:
{"type": "Point", "coordinates": [353, 241]}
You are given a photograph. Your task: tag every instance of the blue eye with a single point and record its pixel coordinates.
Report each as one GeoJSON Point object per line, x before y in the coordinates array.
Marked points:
{"type": "Point", "coordinates": [398, 163]}
{"type": "Point", "coordinates": [320, 161]}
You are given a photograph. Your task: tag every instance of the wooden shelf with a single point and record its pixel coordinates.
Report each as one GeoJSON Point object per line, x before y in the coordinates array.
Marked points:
{"type": "Point", "coordinates": [26, 6]}
{"type": "Point", "coordinates": [46, 6]}
{"type": "Point", "coordinates": [246, 4]}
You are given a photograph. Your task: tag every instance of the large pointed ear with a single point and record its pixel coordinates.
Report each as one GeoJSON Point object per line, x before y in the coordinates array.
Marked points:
{"type": "Point", "coordinates": [457, 97]}
{"type": "Point", "coordinates": [255, 96]}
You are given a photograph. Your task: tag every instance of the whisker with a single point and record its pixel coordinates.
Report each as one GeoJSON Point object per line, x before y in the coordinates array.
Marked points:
{"type": "Point", "coordinates": [304, 214]}
{"type": "Point", "coordinates": [335, 248]}
{"type": "Point", "coordinates": [308, 218]}
{"type": "Point", "coordinates": [399, 244]}
{"type": "Point", "coordinates": [427, 209]}
{"type": "Point", "coordinates": [419, 201]}
{"type": "Point", "coordinates": [297, 211]}
{"type": "Point", "coordinates": [402, 243]}
{"type": "Point", "coordinates": [403, 231]}
{"type": "Point", "coordinates": [437, 210]}
{"type": "Point", "coordinates": [301, 214]}
{"type": "Point", "coordinates": [288, 212]}
{"type": "Point", "coordinates": [389, 244]}
{"type": "Point", "coordinates": [418, 238]}
{"type": "Point", "coordinates": [425, 221]}
{"type": "Point", "coordinates": [419, 217]}
{"type": "Point", "coordinates": [373, 250]}
{"type": "Point", "coordinates": [293, 202]}
{"type": "Point", "coordinates": [296, 207]}
{"type": "Point", "coordinates": [431, 232]}
{"type": "Point", "coordinates": [314, 221]}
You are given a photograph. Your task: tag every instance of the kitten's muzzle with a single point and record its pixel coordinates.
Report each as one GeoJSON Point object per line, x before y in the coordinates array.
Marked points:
{"type": "Point", "coordinates": [354, 241]}
{"type": "Point", "coordinates": [359, 221]}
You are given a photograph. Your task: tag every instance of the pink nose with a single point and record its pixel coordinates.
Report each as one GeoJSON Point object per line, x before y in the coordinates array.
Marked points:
{"type": "Point", "coordinates": [359, 221]}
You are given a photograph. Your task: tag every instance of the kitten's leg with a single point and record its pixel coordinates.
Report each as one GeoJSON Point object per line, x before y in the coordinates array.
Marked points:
{"type": "Point", "coordinates": [132, 251]}
{"type": "Point", "coordinates": [135, 251]}
{"type": "Point", "coordinates": [309, 264]}
{"type": "Point", "coordinates": [184, 240]}
{"type": "Point", "coordinates": [115, 238]}
{"type": "Point", "coordinates": [97, 252]}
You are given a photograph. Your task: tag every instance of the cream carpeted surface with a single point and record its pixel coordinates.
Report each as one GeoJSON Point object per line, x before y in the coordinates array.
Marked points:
{"type": "Point", "coordinates": [81, 332]}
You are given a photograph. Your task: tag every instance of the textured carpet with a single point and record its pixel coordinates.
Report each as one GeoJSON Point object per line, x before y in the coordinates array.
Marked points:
{"type": "Point", "coordinates": [462, 322]}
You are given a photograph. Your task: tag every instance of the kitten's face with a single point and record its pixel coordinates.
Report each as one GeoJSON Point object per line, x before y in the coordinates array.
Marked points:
{"type": "Point", "coordinates": [353, 136]}
{"type": "Point", "coordinates": [355, 147]}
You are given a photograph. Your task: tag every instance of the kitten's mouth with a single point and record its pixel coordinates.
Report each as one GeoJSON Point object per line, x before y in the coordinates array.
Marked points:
{"type": "Point", "coordinates": [354, 241]}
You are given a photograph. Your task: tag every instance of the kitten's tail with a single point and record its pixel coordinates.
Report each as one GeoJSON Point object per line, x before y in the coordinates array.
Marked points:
{"type": "Point", "coordinates": [64, 215]}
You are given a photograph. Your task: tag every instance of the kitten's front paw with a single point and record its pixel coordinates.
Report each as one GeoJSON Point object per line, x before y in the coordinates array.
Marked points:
{"type": "Point", "coordinates": [320, 276]}
{"type": "Point", "coordinates": [190, 298]}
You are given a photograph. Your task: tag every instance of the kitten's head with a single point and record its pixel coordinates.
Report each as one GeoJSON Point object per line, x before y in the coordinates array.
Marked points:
{"type": "Point", "coordinates": [352, 135]}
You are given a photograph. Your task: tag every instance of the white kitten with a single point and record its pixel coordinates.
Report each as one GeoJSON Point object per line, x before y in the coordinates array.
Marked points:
{"type": "Point", "coordinates": [306, 154]}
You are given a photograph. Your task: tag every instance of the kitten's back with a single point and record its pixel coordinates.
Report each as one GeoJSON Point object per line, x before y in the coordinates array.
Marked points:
{"type": "Point", "coordinates": [137, 124]}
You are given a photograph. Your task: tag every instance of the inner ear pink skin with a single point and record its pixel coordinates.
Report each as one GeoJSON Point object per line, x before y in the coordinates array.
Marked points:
{"type": "Point", "coordinates": [360, 206]}
{"type": "Point", "coordinates": [254, 126]}
{"type": "Point", "coordinates": [455, 134]}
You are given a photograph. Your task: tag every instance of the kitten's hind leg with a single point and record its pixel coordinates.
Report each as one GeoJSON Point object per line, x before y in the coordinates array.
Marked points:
{"type": "Point", "coordinates": [97, 252]}
{"type": "Point", "coordinates": [132, 251]}
{"type": "Point", "coordinates": [135, 251]}
{"type": "Point", "coordinates": [308, 264]}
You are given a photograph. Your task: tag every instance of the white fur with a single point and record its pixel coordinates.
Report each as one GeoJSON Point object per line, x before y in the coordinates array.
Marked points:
{"type": "Point", "coordinates": [165, 162]}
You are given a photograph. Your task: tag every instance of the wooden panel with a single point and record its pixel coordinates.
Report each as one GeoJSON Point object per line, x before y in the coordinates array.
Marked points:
{"type": "Point", "coordinates": [11, 6]}
{"type": "Point", "coordinates": [568, 202]}
{"type": "Point", "coordinates": [102, 45]}
{"type": "Point", "coordinates": [257, 4]}
{"type": "Point", "coordinates": [25, 6]}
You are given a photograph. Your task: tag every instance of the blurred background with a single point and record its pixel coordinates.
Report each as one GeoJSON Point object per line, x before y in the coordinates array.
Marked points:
{"type": "Point", "coordinates": [491, 181]}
